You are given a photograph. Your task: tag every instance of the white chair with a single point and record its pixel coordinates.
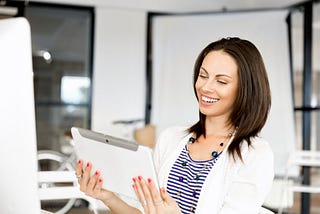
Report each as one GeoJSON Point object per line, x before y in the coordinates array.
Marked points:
{"type": "Point", "coordinates": [54, 192]}
{"type": "Point", "coordinates": [298, 158]}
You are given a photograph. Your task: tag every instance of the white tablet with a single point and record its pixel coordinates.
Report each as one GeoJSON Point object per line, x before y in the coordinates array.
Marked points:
{"type": "Point", "coordinates": [117, 159]}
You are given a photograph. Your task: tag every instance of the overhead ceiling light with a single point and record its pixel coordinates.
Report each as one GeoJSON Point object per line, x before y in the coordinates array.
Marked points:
{"type": "Point", "coordinates": [46, 55]}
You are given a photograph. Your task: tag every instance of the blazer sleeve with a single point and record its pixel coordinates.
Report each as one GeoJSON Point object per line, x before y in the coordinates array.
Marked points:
{"type": "Point", "coordinates": [252, 181]}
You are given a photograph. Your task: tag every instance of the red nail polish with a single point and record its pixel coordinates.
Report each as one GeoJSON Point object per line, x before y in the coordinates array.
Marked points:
{"type": "Point", "coordinates": [133, 186]}
{"type": "Point", "coordinates": [134, 180]}
{"type": "Point", "coordinates": [149, 180]}
{"type": "Point", "coordinates": [79, 161]}
{"type": "Point", "coordinates": [97, 172]}
{"type": "Point", "coordinates": [100, 180]}
{"type": "Point", "coordinates": [163, 190]}
{"type": "Point", "coordinates": [88, 164]}
{"type": "Point", "coordinates": [139, 177]}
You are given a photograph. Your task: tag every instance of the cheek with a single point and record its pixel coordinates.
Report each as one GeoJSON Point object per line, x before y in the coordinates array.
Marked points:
{"type": "Point", "coordinates": [234, 95]}
{"type": "Point", "coordinates": [197, 86]}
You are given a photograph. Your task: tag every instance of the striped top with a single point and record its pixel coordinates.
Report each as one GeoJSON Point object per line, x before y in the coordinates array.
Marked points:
{"type": "Point", "coordinates": [186, 179]}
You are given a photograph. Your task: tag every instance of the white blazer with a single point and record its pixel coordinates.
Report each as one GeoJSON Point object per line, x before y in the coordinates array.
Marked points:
{"type": "Point", "coordinates": [232, 186]}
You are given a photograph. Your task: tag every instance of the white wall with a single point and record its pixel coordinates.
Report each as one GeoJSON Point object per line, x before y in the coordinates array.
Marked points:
{"type": "Point", "coordinates": [176, 45]}
{"type": "Point", "coordinates": [119, 66]}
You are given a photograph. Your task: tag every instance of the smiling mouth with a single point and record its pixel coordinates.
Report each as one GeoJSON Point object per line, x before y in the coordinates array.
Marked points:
{"type": "Point", "coordinates": [209, 100]}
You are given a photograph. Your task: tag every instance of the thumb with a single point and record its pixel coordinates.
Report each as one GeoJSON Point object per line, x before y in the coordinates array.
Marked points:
{"type": "Point", "coordinates": [166, 197]}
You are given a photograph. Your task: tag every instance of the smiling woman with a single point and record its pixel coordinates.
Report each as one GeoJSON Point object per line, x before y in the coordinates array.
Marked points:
{"type": "Point", "coordinates": [221, 155]}
{"type": "Point", "coordinates": [219, 163]}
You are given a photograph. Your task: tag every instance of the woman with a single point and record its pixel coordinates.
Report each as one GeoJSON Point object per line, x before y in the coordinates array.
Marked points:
{"type": "Point", "coordinates": [219, 165]}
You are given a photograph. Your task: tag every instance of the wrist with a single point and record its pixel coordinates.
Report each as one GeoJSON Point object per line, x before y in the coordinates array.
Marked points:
{"type": "Point", "coordinates": [110, 197]}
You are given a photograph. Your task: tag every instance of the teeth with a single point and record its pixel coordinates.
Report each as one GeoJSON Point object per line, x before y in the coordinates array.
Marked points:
{"type": "Point", "coordinates": [209, 100]}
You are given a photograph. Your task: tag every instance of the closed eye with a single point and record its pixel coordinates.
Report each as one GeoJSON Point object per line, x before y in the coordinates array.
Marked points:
{"type": "Point", "coordinates": [203, 76]}
{"type": "Point", "coordinates": [221, 82]}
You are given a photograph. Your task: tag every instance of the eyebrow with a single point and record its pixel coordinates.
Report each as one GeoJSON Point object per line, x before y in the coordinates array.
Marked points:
{"type": "Point", "coordinates": [218, 75]}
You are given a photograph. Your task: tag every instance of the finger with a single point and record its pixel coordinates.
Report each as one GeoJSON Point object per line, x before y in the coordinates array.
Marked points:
{"type": "Point", "coordinates": [100, 193]}
{"type": "Point", "coordinates": [139, 192]}
{"type": "Point", "coordinates": [97, 190]}
{"type": "Point", "coordinates": [147, 194]}
{"type": "Point", "coordinates": [156, 197]}
{"type": "Point", "coordinates": [134, 186]}
{"type": "Point", "coordinates": [92, 183]}
{"type": "Point", "coordinates": [166, 197]}
{"type": "Point", "coordinates": [98, 186]}
{"type": "Point", "coordinates": [86, 176]}
{"type": "Point", "coordinates": [79, 169]}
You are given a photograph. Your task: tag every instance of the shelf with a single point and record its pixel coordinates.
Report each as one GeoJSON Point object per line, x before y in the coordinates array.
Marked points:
{"type": "Point", "coordinates": [304, 188]}
{"type": "Point", "coordinates": [305, 158]}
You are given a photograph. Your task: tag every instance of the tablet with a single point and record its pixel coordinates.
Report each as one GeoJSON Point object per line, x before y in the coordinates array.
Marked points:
{"type": "Point", "coordinates": [118, 160]}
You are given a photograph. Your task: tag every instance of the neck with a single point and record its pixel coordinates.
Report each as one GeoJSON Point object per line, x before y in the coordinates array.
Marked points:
{"type": "Point", "coordinates": [218, 126]}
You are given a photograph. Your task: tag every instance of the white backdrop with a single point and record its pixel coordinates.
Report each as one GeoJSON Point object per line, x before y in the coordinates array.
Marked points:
{"type": "Point", "coordinates": [119, 69]}
{"type": "Point", "coordinates": [177, 40]}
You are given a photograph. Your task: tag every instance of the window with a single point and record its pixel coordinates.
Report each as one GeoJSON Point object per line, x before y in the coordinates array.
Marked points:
{"type": "Point", "coordinates": [62, 63]}
{"type": "Point", "coordinates": [307, 93]}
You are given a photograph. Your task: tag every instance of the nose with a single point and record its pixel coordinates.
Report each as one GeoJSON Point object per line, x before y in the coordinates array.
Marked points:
{"type": "Point", "coordinates": [209, 86]}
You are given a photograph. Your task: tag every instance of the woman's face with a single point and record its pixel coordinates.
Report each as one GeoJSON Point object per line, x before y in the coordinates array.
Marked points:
{"type": "Point", "coordinates": [217, 85]}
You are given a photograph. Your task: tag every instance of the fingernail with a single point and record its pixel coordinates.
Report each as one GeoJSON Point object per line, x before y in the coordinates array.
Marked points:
{"type": "Point", "coordinates": [149, 180]}
{"type": "Point", "coordinates": [134, 180]}
{"type": "Point", "coordinates": [100, 180]}
{"type": "Point", "coordinates": [133, 186]}
{"type": "Point", "coordinates": [88, 164]}
{"type": "Point", "coordinates": [79, 161]}
{"type": "Point", "coordinates": [139, 177]}
{"type": "Point", "coordinates": [97, 172]}
{"type": "Point", "coordinates": [163, 190]}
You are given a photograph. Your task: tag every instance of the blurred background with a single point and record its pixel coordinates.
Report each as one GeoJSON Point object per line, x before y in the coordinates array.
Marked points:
{"type": "Point", "coordinates": [124, 68]}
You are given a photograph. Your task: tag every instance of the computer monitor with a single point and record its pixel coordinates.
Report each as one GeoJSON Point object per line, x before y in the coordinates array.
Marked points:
{"type": "Point", "coordinates": [18, 151]}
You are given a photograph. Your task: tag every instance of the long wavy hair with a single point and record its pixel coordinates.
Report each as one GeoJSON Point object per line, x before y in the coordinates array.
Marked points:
{"type": "Point", "coordinates": [253, 100]}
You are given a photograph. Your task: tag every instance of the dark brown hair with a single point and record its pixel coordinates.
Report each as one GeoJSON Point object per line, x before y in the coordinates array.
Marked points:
{"type": "Point", "coordinates": [253, 100]}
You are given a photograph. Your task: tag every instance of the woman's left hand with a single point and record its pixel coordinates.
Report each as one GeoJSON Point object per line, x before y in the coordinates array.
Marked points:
{"type": "Point", "coordinates": [153, 200]}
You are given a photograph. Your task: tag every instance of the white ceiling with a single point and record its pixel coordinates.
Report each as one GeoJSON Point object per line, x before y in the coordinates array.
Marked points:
{"type": "Point", "coordinates": [189, 6]}
{"type": "Point", "coordinates": [182, 5]}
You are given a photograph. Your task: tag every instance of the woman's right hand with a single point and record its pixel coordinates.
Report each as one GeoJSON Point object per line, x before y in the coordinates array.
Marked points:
{"type": "Point", "coordinates": [92, 185]}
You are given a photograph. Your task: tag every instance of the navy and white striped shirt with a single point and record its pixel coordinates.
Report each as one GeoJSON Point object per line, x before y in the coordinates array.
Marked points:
{"type": "Point", "coordinates": [186, 178]}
